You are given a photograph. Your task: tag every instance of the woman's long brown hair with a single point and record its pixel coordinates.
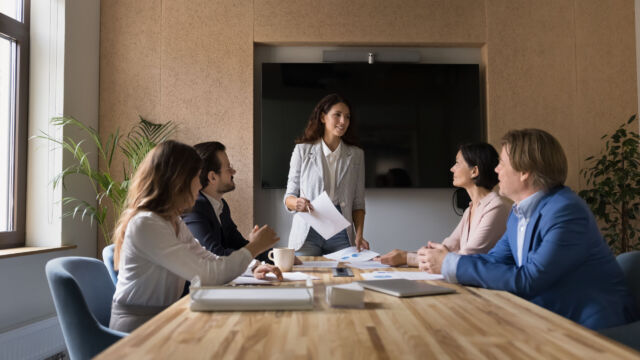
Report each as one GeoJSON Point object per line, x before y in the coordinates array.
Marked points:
{"type": "Point", "coordinates": [315, 127]}
{"type": "Point", "coordinates": [162, 184]}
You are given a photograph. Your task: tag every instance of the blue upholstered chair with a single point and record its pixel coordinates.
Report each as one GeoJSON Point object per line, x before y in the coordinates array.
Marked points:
{"type": "Point", "coordinates": [82, 292]}
{"type": "Point", "coordinates": [628, 334]}
{"type": "Point", "coordinates": [107, 257]}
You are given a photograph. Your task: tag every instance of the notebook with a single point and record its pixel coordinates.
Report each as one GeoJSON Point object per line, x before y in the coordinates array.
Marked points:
{"type": "Point", "coordinates": [404, 288]}
{"type": "Point", "coordinates": [236, 298]}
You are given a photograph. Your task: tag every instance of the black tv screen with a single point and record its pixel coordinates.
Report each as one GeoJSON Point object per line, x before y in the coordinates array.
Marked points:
{"type": "Point", "coordinates": [409, 118]}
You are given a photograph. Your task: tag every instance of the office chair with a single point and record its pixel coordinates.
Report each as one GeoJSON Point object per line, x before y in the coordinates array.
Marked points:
{"type": "Point", "coordinates": [82, 292]}
{"type": "Point", "coordinates": [107, 257]}
{"type": "Point", "coordinates": [628, 334]}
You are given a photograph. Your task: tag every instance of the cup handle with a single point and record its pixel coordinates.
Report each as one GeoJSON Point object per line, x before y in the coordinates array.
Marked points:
{"type": "Point", "coordinates": [270, 255]}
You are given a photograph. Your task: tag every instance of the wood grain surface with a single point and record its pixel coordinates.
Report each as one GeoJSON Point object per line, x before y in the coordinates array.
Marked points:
{"type": "Point", "coordinates": [471, 324]}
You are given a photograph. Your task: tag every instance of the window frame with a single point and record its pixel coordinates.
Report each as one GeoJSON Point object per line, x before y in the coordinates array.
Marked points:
{"type": "Point", "coordinates": [18, 31]}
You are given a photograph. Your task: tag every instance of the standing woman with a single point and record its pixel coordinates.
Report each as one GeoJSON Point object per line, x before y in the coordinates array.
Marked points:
{"type": "Point", "coordinates": [155, 252]}
{"type": "Point", "coordinates": [326, 158]}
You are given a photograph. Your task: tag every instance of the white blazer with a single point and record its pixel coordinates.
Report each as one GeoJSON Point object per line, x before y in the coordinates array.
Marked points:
{"type": "Point", "coordinates": [306, 174]}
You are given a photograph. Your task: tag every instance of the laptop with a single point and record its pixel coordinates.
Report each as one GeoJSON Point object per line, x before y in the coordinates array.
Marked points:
{"type": "Point", "coordinates": [404, 288]}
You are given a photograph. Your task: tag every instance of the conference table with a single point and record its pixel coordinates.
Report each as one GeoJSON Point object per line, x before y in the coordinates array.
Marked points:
{"type": "Point", "coordinates": [472, 323]}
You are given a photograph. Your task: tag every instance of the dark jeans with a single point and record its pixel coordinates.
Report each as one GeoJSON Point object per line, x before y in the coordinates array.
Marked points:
{"type": "Point", "coordinates": [316, 245]}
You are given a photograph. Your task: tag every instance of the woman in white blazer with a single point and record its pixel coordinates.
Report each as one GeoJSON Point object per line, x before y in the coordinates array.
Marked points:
{"type": "Point", "coordinates": [326, 158]}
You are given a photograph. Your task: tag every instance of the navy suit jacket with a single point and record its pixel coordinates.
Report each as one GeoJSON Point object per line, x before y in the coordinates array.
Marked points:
{"type": "Point", "coordinates": [566, 265]}
{"type": "Point", "coordinates": [220, 239]}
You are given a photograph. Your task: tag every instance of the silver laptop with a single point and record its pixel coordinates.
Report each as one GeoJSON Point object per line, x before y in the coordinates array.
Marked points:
{"type": "Point", "coordinates": [404, 288]}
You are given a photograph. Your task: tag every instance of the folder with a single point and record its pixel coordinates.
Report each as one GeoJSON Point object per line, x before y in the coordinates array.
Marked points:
{"type": "Point", "coordinates": [250, 298]}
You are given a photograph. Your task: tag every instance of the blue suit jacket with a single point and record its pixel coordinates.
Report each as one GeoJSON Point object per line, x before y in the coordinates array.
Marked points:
{"type": "Point", "coordinates": [567, 266]}
{"type": "Point", "coordinates": [220, 239]}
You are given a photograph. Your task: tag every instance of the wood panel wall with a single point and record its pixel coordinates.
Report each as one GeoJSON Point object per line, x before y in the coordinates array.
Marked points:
{"type": "Point", "coordinates": [567, 66]}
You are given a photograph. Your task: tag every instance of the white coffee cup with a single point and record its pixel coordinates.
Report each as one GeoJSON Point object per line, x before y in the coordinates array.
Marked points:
{"type": "Point", "coordinates": [282, 257]}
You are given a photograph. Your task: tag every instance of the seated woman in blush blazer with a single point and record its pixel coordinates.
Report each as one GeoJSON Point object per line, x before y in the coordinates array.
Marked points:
{"type": "Point", "coordinates": [485, 220]}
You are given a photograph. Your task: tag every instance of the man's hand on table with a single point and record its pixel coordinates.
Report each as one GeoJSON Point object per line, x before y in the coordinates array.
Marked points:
{"type": "Point", "coordinates": [431, 257]}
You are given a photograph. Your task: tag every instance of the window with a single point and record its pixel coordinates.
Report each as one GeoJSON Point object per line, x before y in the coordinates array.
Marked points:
{"type": "Point", "coordinates": [14, 95]}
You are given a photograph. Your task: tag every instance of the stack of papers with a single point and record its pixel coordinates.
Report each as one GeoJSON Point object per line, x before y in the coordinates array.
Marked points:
{"type": "Point", "coordinates": [408, 275]}
{"type": "Point", "coordinates": [350, 254]}
{"type": "Point", "coordinates": [371, 264]}
{"type": "Point", "coordinates": [318, 264]}
{"type": "Point", "coordinates": [271, 278]}
{"type": "Point", "coordinates": [225, 298]}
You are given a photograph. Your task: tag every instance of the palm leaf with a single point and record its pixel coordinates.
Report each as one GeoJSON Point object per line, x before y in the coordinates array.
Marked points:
{"type": "Point", "coordinates": [140, 140]}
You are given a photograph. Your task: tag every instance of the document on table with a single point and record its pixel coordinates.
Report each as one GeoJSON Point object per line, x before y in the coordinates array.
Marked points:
{"type": "Point", "coordinates": [371, 264]}
{"type": "Point", "coordinates": [409, 275]}
{"type": "Point", "coordinates": [233, 298]}
{"type": "Point", "coordinates": [271, 278]}
{"type": "Point", "coordinates": [350, 254]}
{"type": "Point", "coordinates": [317, 264]}
{"type": "Point", "coordinates": [325, 218]}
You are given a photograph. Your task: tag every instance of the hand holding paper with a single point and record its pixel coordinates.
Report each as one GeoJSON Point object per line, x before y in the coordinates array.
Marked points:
{"type": "Point", "coordinates": [325, 218]}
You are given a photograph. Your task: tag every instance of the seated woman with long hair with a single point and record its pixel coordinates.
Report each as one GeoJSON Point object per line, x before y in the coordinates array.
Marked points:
{"type": "Point", "coordinates": [155, 253]}
{"type": "Point", "coordinates": [485, 220]}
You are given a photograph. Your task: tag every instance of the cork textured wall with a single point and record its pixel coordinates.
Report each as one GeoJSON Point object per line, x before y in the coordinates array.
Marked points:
{"type": "Point", "coordinates": [567, 66]}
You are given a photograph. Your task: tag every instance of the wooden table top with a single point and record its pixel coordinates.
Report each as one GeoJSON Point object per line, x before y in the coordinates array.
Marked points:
{"type": "Point", "coordinates": [471, 324]}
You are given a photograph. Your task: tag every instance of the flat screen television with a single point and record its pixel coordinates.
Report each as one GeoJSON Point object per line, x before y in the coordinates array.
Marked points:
{"type": "Point", "coordinates": [409, 118]}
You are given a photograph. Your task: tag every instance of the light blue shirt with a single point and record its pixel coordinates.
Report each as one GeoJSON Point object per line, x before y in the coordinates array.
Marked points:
{"type": "Point", "coordinates": [523, 211]}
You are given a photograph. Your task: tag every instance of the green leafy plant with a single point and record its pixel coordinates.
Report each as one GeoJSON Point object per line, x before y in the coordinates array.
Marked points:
{"type": "Point", "coordinates": [138, 142]}
{"type": "Point", "coordinates": [613, 193]}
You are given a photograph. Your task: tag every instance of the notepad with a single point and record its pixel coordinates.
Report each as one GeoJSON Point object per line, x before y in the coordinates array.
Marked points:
{"type": "Point", "coordinates": [228, 298]}
{"type": "Point", "coordinates": [345, 295]}
{"type": "Point", "coordinates": [408, 275]}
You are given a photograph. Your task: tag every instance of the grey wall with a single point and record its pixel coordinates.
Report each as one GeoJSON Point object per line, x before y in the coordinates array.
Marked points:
{"type": "Point", "coordinates": [395, 218]}
{"type": "Point", "coordinates": [25, 296]}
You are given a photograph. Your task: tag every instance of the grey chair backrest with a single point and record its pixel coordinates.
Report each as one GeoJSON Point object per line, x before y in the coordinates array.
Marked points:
{"type": "Point", "coordinates": [630, 264]}
{"type": "Point", "coordinates": [82, 292]}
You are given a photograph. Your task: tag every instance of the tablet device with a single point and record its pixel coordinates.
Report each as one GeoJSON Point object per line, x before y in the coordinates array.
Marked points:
{"type": "Point", "coordinates": [342, 272]}
{"type": "Point", "coordinates": [404, 288]}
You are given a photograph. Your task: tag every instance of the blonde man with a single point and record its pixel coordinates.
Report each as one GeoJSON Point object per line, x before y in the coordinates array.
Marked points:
{"type": "Point", "coordinates": [552, 253]}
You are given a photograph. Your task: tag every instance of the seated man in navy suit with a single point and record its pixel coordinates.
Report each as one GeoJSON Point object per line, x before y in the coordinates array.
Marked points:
{"type": "Point", "coordinates": [210, 218]}
{"type": "Point", "coordinates": [552, 253]}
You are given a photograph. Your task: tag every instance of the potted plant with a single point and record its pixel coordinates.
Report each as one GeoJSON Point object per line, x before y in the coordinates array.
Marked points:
{"type": "Point", "coordinates": [613, 187]}
{"type": "Point", "coordinates": [138, 142]}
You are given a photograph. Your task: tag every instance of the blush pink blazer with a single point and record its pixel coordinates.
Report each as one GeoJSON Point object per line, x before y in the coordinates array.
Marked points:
{"type": "Point", "coordinates": [480, 234]}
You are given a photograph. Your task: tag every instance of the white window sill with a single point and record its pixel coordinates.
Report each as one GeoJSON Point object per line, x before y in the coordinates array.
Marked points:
{"type": "Point", "coordinates": [30, 250]}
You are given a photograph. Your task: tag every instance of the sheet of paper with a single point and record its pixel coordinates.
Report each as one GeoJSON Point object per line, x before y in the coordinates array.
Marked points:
{"type": "Point", "coordinates": [317, 264]}
{"type": "Point", "coordinates": [250, 280]}
{"type": "Point", "coordinates": [371, 264]}
{"type": "Point", "coordinates": [420, 275]}
{"type": "Point", "coordinates": [293, 276]}
{"type": "Point", "coordinates": [271, 278]}
{"type": "Point", "coordinates": [325, 218]}
{"type": "Point", "coordinates": [350, 254]}
{"type": "Point", "coordinates": [409, 275]}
